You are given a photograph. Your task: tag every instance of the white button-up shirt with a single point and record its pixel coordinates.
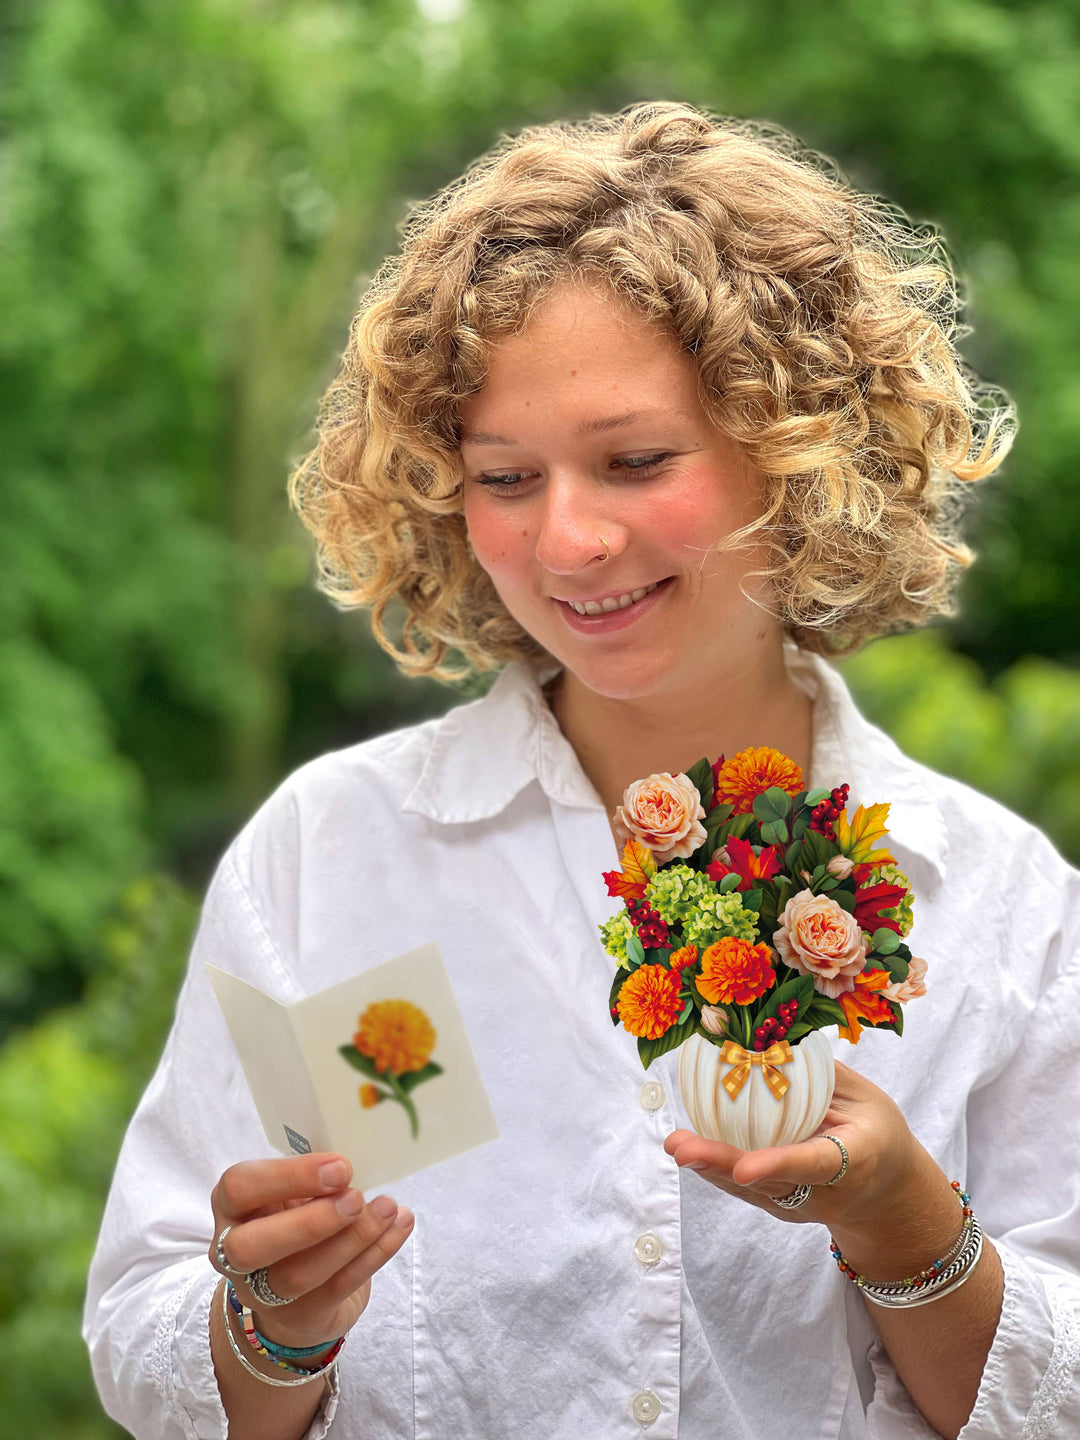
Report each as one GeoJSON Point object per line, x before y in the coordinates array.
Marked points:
{"type": "Point", "coordinates": [568, 1282]}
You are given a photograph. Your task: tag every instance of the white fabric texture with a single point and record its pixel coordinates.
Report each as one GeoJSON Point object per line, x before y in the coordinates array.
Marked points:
{"type": "Point", "coordinates": [518, 1306]}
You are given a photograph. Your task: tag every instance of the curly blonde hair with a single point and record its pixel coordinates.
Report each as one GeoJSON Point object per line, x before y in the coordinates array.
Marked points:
{"type": "Point", "coordinates": [824, 326]}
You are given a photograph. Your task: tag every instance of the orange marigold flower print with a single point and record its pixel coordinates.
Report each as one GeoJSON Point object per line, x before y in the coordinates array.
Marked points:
{"type": "Point", "coordinates": [750, 773]}
{"type": "Point", "coordinates": [734, 971]}
{"type": "Point", "coordinates": [683, 959]}
{"type": "Point", "coordinates": [397, 1035]}
{"type": "Point", "coordinates": [649, 1001]}
{"type": "Point", "coordinates": [369, 1096]}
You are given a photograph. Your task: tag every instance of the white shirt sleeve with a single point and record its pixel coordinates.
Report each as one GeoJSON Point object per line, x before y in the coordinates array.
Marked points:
{"type": "Point", "coordinates": [146, 1318]}
{"type": "Point", "coordinates": [1024, 1180]}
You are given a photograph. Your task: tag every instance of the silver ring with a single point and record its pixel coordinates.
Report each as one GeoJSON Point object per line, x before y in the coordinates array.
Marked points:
{"type": "Point", "coordinates": [220, 1258]}
{"type": "Point", "coordinates": [798, 1196]}
{"type": "Point", "coordinates": [259, 1286]}
{"type": "Point", "coordinates": [843, 1159]}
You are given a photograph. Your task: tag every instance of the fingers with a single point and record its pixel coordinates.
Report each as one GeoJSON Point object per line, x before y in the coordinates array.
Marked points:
{"type": "Point", "coordinates": [361, 1267]}
{"type": "Point", "coordinates": [810, 1162]}
{"type": "Point", "coordinates": [304, 1269]}
{"type": "Point", "coordinates": [262, 1241]}
{"type": "Point", "coordinates": [255, 1184]}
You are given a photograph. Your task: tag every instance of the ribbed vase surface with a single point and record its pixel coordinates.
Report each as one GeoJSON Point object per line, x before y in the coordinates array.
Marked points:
{"type": "Point", "coordinates": [755, 1119]}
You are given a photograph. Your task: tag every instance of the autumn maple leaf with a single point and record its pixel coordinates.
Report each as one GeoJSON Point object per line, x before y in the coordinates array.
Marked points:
{"type": "Point", "coordinates": [744, 863]}
{"type": "Point", "coordinates": [871, 900]}
{"type": "Point", "coordinates": [639, 866]}
{"type": "Point", "coordinates": [864, 1004]}
{"type": "Point", "coordinates": [857, 837]}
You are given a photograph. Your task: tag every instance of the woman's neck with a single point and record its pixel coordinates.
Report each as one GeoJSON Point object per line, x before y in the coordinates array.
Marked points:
{"type": "Point", "coordinates": [619, 741]}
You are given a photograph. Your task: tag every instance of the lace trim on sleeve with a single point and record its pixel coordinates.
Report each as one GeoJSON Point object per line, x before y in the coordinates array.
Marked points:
{"type": "Point", "coordinates": [1063, 1367]}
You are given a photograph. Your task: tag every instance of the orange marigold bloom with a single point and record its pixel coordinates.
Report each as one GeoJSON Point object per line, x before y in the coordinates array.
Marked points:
{"type": "Point", "coordinates": [733, 970]}
{"type": "Point", "coordinates": [864, 1003]}
{"type": "Point", "coordinates": [397, 1035]}
{"type": "Point", "coordinates": [750, 773]}
{"type": "Point", "coordinates": [369, 1096]}
{"type": "Point", "coordinates": [683, 959]}
{"type": "Point", "coordinates": [649, 1002]}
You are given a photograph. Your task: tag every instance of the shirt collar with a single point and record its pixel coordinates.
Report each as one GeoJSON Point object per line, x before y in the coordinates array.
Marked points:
{"type": "Point", "coordinates": [485, 752]}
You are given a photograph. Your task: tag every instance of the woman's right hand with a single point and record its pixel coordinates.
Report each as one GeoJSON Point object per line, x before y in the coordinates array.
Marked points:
{"type": "Point", "coordinates": [318, 1240]}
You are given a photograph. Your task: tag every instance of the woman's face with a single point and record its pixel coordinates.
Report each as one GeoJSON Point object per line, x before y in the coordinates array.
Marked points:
{"type": "Point", "coordinates": [587, 436]}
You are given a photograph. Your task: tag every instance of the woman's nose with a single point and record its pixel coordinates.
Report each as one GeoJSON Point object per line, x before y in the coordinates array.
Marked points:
{"type": "Point", "coordinates": [574, 532]}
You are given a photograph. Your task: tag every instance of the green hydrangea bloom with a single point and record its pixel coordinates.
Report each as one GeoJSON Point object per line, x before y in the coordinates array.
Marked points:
{"type": "Point", "coordinates": [719, 915]}
{"type": "Point", "coordinates": [893, 875]}
{"type": "Point", "coordinates": [690, 900]}
{"type": "Point", "coordinates": [677, 892]}
{"type": "Point", "coordinates": [616, 932]}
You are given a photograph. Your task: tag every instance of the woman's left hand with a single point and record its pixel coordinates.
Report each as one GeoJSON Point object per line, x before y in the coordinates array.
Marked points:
{"type": "Point", "coordinates": [883, 1159]}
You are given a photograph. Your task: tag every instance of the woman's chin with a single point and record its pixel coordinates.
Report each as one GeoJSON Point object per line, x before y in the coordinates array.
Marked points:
{"type": "Point", "coordinates": [630, 678]}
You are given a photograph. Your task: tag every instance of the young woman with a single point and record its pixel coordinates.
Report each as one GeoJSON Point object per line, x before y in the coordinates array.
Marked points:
{"type": "Point", "coordinates": [653, 413]}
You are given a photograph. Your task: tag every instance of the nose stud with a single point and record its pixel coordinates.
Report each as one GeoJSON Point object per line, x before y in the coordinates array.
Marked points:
{"type": "Point", "coordinates": [607, 550]}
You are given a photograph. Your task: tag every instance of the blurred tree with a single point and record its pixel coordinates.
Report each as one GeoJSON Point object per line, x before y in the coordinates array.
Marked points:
{"type": "Point", "coordinates": [188, 195]}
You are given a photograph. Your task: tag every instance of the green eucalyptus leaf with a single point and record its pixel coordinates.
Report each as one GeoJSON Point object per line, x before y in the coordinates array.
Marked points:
{"type": "Point", "coordinates": [816, 796]}
{"type": "Point", "coordinates": [634, 950]}
{"type": "Point", "coordinates": [885, 941]}
{"type": "Point", "coordinates": [727, 884]}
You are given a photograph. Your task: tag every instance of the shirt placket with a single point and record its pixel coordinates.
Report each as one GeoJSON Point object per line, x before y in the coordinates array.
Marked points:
{"type": "Point", "coordinates": [646, 1255]}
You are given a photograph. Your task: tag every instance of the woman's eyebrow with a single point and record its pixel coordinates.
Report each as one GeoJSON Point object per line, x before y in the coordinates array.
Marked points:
{"type": "Point", "coordinates": [587, 427]}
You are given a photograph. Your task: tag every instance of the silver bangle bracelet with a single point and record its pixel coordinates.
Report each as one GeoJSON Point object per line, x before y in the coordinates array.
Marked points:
{"type": "Point", "coordinates": [327, 1374]}
{"type": "Point", "coordinates": [951, 1278]}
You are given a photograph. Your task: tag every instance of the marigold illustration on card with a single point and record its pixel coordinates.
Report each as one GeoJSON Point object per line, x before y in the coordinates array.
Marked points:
{"type": "Point", "coordinates": [378, 1067]}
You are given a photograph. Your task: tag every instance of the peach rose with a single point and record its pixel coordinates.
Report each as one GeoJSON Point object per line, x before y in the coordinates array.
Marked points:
{"type": "Point", "coordinates": [663, 812]}
{"type": "Point", "coordinates": [819, 938]}
{"type": "Point", "coordinates": [911, 988]}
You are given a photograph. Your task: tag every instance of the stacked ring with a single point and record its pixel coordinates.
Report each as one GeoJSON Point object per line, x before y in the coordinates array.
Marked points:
{"type": "Point", "coordinates": [260, 1287]}
{"type": "Point", "coordinates": [798, 1196]}
{"type": "Point", "coordinates": [220, 1259]}
{"type": "Point", "coordinates": [843, 1159]}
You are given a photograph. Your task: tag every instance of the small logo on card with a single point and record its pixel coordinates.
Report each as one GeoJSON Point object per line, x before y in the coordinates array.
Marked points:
{"type": "Point", "coordinates": [297, 1142]}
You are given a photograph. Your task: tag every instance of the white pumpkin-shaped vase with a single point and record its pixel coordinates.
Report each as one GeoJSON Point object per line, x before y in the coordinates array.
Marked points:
{"type": "Point", "coordinates": [756, 1119]}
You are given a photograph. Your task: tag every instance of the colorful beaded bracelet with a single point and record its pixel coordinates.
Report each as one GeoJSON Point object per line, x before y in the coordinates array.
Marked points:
{"type": "Point", "coordinates": [932, 1272]}
{"type": "Point", "coordinates": [327, 1373]}
{"type": "Point", "coordinates": [255, 1340]}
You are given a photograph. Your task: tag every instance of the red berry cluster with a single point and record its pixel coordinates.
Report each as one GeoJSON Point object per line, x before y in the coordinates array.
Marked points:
{"type": "Point", "coordinates": [652, 931]}
{"type": "Point", "coordinates": [823, 815]}
{"type": "Point", "coordinates": [776, 1026]}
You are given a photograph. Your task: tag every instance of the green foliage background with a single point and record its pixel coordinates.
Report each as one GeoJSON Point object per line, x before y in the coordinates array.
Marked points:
{"type": "Point", "coordinates": [190, 197]}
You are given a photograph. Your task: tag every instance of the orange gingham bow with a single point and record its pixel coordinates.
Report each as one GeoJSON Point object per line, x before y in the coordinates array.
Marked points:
{"type": "Point", "coordinates": [778, 1053]}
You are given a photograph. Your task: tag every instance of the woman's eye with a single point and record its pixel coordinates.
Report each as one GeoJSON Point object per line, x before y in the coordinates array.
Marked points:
{"type": "Point", "coordinates": [639, 463]}
{"type": "Point", "coordinates": [635, 464]}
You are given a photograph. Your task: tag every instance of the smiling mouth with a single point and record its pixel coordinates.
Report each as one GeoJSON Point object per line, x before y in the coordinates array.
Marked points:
{"type": "Point", "coordinates": [612, 602]}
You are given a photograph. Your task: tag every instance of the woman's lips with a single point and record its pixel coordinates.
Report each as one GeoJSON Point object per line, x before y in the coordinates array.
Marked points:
{"type": "Point", "coordinates": [610, 620]}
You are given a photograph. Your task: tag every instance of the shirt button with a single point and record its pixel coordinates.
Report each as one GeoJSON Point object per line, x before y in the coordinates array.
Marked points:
{"type": "Point", "coordinates": [648, 1249]}
{"type": "Point", "coordinates": [646, 1407]}
{"type": "Point", "coordinates": [652, 1097]}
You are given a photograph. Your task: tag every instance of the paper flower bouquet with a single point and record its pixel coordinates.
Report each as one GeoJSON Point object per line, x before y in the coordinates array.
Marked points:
{"type": "Point", "coordinates": [756, 916]}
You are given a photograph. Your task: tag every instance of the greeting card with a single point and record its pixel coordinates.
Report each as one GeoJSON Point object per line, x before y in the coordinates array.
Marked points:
{"type": "Point", "coordinates": [378, 1068]}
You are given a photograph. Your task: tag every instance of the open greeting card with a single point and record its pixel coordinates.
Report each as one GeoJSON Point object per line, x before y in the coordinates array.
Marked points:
{"type": "Point", "coordinates": [378, 1068]}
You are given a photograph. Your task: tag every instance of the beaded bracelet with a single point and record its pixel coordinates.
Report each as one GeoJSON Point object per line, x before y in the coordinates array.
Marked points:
{"type": "Point", "coordinates": [327, 1372]}
{"type": "Point", "coordinates": [947, 1273]}
{"type": "Point", "coordinates": [255, 1340]}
